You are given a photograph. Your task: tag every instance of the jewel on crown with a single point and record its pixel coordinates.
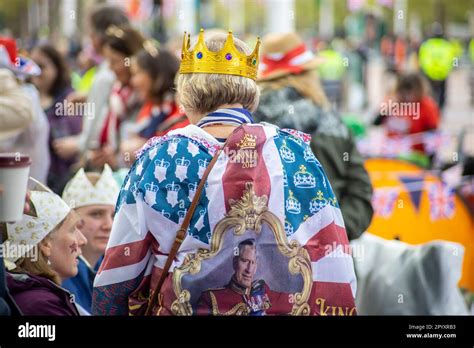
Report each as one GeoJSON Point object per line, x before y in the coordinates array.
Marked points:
{"type": "Point", "coordinates": [172, 187]}
{"type": "Point", "coordinates": [203, 163]}
{"type": "Point", "coordinates": [229, 60]}
{"type": "Point", "coordinates": [162, 163]}
{"type": "Point", "coordinates": [303, 179]}
{"type": "Point", "coordinates": [292, 205]}
{"type": "Point", "coordinates": [151, 187]}
{"type": "Point", "coordinates": [248, 141]}
{"type": "Point", "coordinates": [286, 154]}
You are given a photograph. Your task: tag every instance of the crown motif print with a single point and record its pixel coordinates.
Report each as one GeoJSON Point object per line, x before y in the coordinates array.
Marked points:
{"type": "Point", "coordinates": [203, 163]}
{"type": "Point", "coordinates": [175, 141]}
{"type": "Point", "coordinates": [183, 162]}
{"type": "Point", "coordinates": [172, 187]}
{"type": "Point", "coordinates": [151, 187]}
{"type": "Point", "coordinates": [308, 155]}
{"type": "Point", "coordinates": [248, 141]}
{"type": "Point", "coordinates": [303, 179]}
{"type": "Point", "coordinates": [288, 229]}
{"type": "Point", "coordinates": [193, 186]}
{"type": "Point", "coordinates": [228, 61]}
{"type": "Point", "coordinates": [292, 205]}
{"type": "Point", "coordinates": [182, 214]}
{"type": "Point", "coordinates": [317, 203]}
{"type": "Point", "coordinates": [286, 154]}
{"type": "Point", "coordinates": [162, 164]}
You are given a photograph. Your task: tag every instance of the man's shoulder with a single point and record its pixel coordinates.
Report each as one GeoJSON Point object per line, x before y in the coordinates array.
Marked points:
{"type": "Point", "coordinates": [221, 293]}
{"type": "Point", "coordinates": [216, 290]}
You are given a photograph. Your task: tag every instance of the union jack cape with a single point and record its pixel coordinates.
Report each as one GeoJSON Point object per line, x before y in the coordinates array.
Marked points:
{"type": "Point", "coordinates": [276, 194]}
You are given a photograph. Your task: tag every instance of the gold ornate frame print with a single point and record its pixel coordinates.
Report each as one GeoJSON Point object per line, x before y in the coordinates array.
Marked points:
{"type": "Point", "coordinates": [247, 214]}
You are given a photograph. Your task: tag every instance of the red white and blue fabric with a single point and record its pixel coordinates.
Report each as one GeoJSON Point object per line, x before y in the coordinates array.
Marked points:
{"type": "Point", "coordinates": [162, 182]}
{"type": "Point", "coordinates": [19, 65]}
{"type": "Point", "coordinates": [441, 198]}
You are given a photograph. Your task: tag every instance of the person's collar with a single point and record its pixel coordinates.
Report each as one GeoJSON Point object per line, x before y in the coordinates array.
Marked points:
{"type": "Point", "coordinates": [226, 116]}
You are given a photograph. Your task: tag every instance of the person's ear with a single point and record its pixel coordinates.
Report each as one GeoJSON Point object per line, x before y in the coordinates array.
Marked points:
{"type": "Point", "coordinates": [45, 247]}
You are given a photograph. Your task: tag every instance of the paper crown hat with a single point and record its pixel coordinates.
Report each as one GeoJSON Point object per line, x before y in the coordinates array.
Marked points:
{"type": "Point", "coordinates": [80, 191]}
{"type": "Point", "coordinates": [228, 61]}
{"type": "Point", "coordinates": [47, 210]}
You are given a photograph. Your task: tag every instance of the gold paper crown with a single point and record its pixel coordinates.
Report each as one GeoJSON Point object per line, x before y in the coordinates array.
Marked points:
{"type": "Point", "coordinates": [228, 61]}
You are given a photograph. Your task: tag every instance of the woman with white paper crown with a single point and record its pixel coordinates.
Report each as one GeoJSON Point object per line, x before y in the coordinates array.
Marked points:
{"type": "Point", "coordinates": [41, 251]}
{"type": "Point", "coordinates": [93, 197]}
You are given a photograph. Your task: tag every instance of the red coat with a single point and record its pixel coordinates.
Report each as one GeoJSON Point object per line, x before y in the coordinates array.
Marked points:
{"type": "Point", "coordinates": [235, 300]}
{"type": "Point", "coordinates": [155, 123]}
{"type": "Point", "coordinates": [426, 119]}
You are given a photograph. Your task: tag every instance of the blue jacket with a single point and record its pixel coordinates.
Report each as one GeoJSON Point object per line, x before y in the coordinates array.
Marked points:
{"type": "Point", "coordinates": [81, 285]}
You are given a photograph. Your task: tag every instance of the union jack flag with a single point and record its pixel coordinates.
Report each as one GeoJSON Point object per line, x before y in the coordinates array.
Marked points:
{"type": "Point", "coordinates": [441, 198]}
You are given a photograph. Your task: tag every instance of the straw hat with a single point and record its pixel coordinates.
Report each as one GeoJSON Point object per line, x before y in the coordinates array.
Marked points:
{"type": "Point", "coordinates": [284, 54]}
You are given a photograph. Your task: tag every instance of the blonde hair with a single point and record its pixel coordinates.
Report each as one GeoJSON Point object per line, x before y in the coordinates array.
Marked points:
{"type": "Point", "coordinates": [40, 266]}
{"type": "Point", "coordinates": [307, 84]}
{"type": "Point", "coordinates": [202, 93]}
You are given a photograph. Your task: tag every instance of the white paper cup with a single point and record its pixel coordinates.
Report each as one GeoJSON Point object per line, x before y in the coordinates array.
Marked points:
{"type": "Point", "coordinates": [14, 173]}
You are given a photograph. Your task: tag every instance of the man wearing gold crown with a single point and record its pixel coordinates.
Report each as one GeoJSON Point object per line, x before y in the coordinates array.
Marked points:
{"type": "Point", "coordinates": [256, 189]}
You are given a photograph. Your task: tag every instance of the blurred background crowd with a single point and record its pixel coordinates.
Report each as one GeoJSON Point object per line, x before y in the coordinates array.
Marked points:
{"type": "Point", "coordinates": [398, 74]}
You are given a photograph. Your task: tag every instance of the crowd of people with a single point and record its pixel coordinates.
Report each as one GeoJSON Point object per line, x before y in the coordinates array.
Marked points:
{"type": "Point", "coordinates": [138, 116]}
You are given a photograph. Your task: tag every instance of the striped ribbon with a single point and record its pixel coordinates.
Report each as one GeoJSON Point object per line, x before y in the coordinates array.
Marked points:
{"type": "Point", "coordinates": [230, 116]}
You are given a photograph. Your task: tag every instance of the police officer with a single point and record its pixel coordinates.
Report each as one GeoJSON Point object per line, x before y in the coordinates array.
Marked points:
{"type": "Point", "coordinates": [437, 57]}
